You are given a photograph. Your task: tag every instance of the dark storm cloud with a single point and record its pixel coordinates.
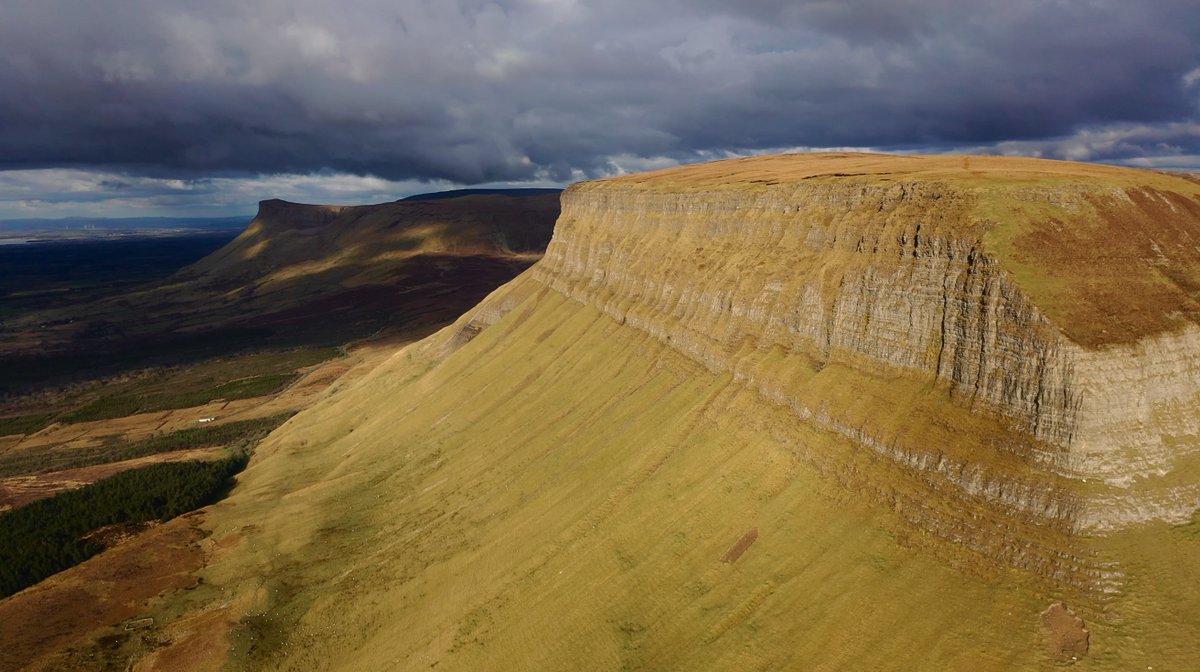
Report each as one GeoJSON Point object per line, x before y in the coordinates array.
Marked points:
{"type": "Point", "coordinates": [473, 91]}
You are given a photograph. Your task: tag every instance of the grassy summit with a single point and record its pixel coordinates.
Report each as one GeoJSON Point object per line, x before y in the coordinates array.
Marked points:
{"type": "Point", "coordinates": [1110, 254]}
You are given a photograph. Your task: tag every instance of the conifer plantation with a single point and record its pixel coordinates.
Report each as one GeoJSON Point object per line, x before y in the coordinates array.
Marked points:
{"type": "Point", "coordinates": [47, 536]}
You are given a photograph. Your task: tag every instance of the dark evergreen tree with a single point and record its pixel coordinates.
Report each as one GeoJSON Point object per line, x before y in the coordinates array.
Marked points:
{"type": "Point", "coordinates": [46, 536]}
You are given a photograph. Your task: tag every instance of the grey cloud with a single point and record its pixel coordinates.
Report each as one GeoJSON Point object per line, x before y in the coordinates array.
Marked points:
{"type": "Point", "coordinates": [1170, 145]}
{"type": "Point", "coordinates": [471, 91]}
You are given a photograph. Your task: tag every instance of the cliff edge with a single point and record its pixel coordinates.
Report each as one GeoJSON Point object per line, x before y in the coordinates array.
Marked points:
{"type": "Point", "coordinates": [1062, 297]}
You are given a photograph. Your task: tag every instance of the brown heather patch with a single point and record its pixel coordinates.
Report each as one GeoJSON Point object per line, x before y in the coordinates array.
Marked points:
{"type": "Point", "coordinates": [77, 612]}
{"type": "Point", "coordinates": [1123, 270]}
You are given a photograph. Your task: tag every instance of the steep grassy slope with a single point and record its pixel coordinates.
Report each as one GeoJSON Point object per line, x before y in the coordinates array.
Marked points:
{"type": "Point", "coordinates": [575, 515]}
{"type": "Point", "coordinates": [809, 412]}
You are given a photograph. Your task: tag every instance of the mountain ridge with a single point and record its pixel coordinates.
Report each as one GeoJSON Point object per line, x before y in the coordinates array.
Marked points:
{"type": "Point", "coordinates": [729, 424]}
{"type": "Point", "coordinates": [295, 261]}
{"type": "Point", "coordinates": [695, 363]}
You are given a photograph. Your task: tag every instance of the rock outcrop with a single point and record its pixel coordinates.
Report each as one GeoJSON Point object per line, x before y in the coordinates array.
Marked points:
{"type": "Point", "coordinates": [938, 269]}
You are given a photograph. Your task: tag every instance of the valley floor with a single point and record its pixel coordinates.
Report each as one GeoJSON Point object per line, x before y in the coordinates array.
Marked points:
{"type": "Point", "coordinates": [77, 619]}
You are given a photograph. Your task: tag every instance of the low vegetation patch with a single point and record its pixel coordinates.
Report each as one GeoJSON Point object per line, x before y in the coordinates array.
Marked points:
{"type": "Point", "coordinates": [238, 435]}
{"type": "Point", "coordinates": [47, 536]}
{"type": "Point", "coordinates": [123, 405]}
{"type": "Point", "coordinates": [24, 424]}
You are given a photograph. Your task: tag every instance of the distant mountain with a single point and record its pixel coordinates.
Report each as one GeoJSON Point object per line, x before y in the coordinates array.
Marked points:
{"type": "Point", "coordinates": [302, 275]}
{"type": "Point", "coordinates": [459, 193]}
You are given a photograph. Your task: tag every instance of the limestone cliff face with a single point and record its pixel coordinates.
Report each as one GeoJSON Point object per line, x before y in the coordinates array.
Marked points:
{"type": "Point", "coordinates": [282, 215]}
{"type": "Point", "coordinates": [1140, 409]}
{"type": "Point", "coordinates": [917, 272]}
{"type": "Point", "coordinates": [863, 271]}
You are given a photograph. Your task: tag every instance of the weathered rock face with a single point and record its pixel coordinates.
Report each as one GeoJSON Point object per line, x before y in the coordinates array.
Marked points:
{"type": "Point", "coordinates": [883, 283]}
{"type": "Point", "coordinates": [282, 215]}
{"type": "Point", "coordinates": [911, 273]}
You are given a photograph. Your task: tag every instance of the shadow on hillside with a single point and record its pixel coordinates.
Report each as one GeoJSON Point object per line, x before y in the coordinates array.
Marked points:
{"type": "Point", "coordinates": [428, 292]}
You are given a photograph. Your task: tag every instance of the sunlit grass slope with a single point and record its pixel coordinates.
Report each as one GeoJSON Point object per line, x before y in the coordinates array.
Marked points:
{"type": "Point", "coordinates": [564, 492]}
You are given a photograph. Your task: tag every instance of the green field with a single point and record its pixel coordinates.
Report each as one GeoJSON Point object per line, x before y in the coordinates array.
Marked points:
{"type": "Point", "coordinates": [237, 434]}
{"type": "Point", "coordinates": [230, 377]}
{"type": "Point", "coordinates": [24, 424]}
{"type": "Point", "coordinates": [129, 404]}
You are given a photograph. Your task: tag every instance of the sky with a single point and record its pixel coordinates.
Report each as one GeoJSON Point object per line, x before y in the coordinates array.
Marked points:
{"type": "Point", "coordinates": [204, 107]}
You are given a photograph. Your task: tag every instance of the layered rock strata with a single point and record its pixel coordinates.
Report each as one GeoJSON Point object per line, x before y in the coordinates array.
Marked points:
{"type": "Point", "coordinates": [923, 272]}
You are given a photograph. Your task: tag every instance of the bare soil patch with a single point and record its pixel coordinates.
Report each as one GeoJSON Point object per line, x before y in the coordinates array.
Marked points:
{"type": "Point", "coordinates": [1066, 638]}
{"type": "Point", "coordinates": [739, 547]}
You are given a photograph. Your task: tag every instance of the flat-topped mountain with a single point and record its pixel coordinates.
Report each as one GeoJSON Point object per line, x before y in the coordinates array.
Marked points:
{"type": "Point", "coordinates": [819, 412]}
{"type": "Point", "coordinates": [286, 240]}
{"type": "Point", "coordinates": [304, 274]}
{"type": "Point", "coordinates": [1062, 297]}
{"type": "Point", "coordinates": [296, 262]}
{"type": "Point", "coordinates": [1109, 254]}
